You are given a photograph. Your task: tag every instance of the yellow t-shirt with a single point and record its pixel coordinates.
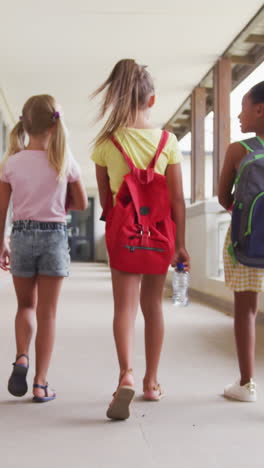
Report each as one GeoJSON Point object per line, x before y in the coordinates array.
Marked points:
{"type": "Point", "coordinates": [140, 145]}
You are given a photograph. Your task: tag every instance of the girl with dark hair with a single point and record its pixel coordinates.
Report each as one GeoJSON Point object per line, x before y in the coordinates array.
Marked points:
{"type": "Point", "coordinates": [36, 174]}
{"type": "Point", "coordinates": [245, 281]}
{"type": "Point", "coordinates": [129, 98]}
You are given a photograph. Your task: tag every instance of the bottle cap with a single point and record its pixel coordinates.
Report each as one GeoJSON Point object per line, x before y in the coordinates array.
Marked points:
{"type": "Point", "coordinates": [180, 266]}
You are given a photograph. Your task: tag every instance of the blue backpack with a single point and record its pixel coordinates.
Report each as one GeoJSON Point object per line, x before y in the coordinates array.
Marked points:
{"type": "Point", "coordinates": [247, 225]}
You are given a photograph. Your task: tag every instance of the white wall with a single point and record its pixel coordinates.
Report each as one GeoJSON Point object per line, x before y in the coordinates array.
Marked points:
{"type": "Point", "coordinates": [186, 175]}
{"type": "Point", "coordinates": [5, 110]}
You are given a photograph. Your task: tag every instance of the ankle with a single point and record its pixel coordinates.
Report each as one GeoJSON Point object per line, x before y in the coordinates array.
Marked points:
{"type": "Point", "coordinates": [149, 383]}
{"type": "Point", "coordinates": [126, 377]}
{"type": "Point", "coordinates": [245, 381]}
{"type": "Point", "coordinates": [40, 380]}
{"type": "Point", "coordinates": [22, 358]}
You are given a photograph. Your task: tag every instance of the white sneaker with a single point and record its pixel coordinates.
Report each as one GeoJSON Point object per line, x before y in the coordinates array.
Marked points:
{"type": "Point", "coordinates": [239, 392]}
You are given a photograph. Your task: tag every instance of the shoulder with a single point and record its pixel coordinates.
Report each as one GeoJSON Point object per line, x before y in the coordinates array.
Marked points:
{"type": "Point", "coordinates": [235, 152]}
{"type": "Point", "coordinates": [172, 139]}
{"type": "Point", "coordinates": [236, 147]}
{"type": "Point", "coordinates": [100, 151]}
{"type": "Point", "coordinates": [172, 150]}
{"type": "Point", "coordinates": [102, 146]}
{"type": "Point", "coordinates": [11, 160]}
{"type": "Point", "coordinates": [9, 166]}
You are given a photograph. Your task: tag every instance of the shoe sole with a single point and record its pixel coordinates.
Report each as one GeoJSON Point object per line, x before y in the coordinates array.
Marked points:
{"type": "Point", "coordinates": [154, 399]}
{"type": "Point", "coordinates": [17, 384]}
{"type": "Point", "coordinates": [43, 399]}
{"type": "Point", "coordinates": [119, 408]}
{"type": "Point", "coordinates": [231, 396]}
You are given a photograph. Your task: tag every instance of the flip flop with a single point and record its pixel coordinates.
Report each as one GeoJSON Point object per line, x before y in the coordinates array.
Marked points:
{"type": "Point", "coordinates": [154, 394]}
{"type": "Point", "coordinates": [46, 397]}
{"type": "Point", "coordinates": [17, 383]}
{"type": "Point", "coordinates": [119, 407]}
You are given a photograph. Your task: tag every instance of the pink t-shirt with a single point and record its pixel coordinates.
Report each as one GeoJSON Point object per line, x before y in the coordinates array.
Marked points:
{"type": "Point", "coordinates": [37, 194]}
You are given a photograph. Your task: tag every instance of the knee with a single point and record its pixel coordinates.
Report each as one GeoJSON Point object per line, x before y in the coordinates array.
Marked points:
{"type": "Point", "coordinates": [125, 313]}
{"type": "Point", "coordinates": [45, 315]}
{"type": "Point", "coordinates": [150, 308]}
{"type": "Point", "coordinates": [26, 307]}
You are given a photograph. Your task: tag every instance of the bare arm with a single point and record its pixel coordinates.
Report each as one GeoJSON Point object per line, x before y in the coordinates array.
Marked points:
{"type": "Point", "coordinates": [234, 154]}
{"type": "Point", "coordinates": [174, 183]}
{"type": "Point", "coordinates": [78, 196]}
{"type": "Point", "coordinates": [103, 183]}
{"type": "Point", "coordinates": [5, 194]}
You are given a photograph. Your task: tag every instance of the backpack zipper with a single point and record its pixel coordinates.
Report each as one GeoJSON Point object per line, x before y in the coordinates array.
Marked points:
{"type": "Point", "coordinates": [249, 227]}
{"type": "Point", "coordinates": [132, 248]}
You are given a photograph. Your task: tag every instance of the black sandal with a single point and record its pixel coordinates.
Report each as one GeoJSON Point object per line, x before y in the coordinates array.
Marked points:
{"type": "Point", "coordinates": [17, 383]}
{"type": "Point", "coordinates": [45, 398]}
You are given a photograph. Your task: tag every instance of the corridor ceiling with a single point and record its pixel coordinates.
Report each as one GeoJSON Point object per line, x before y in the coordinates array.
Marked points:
{"type": "Point", "coordinates": [67, 48]}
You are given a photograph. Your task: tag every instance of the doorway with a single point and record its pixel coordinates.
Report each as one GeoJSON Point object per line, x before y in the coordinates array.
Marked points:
{"type": "Point", "coordinates": [81, 233]}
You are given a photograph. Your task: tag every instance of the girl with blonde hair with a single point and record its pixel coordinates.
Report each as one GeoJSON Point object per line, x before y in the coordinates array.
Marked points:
{"type": "Point", "coordinates": [129, 98]}
{"type": "Point", "coordinates": [37, 175]}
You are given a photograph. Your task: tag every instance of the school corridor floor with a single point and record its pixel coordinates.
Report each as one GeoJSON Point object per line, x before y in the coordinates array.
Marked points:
{"type": "Point", "coordinates": [193, 426]}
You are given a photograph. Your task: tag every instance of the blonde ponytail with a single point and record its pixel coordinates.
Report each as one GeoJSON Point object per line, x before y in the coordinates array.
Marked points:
{"type": "Point", "coordinates": [56, 150]}
{"type": "Point", "coordinates": [16, 142]}
{"type": "Point", "coordinates": [127, 90]}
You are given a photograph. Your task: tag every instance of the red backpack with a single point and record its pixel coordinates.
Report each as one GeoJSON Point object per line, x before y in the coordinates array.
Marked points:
{"type": "Point", "coordinates": [140, 233]}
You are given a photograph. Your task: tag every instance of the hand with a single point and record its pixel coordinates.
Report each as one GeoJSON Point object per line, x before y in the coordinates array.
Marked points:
{"type": "Point", "coordinates": [182, 256]}
{"type": "Point", "coordinates": [4, 257]}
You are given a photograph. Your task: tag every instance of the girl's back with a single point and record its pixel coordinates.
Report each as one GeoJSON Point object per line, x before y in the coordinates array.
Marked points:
{"type": "Point", "coordinates": [37, 192]}
{"type": "Point", "coordinates": [140, 145]}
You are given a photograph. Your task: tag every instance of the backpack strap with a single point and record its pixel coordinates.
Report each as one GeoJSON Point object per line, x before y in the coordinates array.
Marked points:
{"type": "Point", "coordinates": [161, 145]}
{"type": "Point", "coordinates": [122, 151]}
{"type": "Point", "coordinates": [252, 144]}
{"type": "Point", "coordinates": [243, 143]}
{"type": "Point", "coordinates": [260, 140]}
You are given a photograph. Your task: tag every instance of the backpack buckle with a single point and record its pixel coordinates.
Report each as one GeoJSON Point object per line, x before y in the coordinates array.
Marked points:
{"type": "Point", "coordinates": [145, 232]}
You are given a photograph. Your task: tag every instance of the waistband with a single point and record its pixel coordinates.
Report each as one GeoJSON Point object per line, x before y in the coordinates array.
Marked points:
{"type": "Point", "coordinates": [29, 224]}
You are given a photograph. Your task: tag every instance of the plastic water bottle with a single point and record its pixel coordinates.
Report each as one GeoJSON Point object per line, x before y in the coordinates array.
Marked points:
{"type": "Point", "coordinates": [180, 285]}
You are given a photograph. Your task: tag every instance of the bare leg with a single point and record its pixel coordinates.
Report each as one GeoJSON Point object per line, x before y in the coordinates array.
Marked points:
{"type": "Point", "coordinates": [126, 299]}
{"type": "Point", "coordinates": [151, 305]}
{"type": "Point", "coordinates": [246, 305]}
{"type": "Point", "coordinates": [48, 293]}
{"type": "Point", "coordinates": [26, 292]}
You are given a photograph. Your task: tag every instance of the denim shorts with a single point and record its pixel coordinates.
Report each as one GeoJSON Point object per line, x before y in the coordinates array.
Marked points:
{"type": "Point", "coordinates": [39, 248]}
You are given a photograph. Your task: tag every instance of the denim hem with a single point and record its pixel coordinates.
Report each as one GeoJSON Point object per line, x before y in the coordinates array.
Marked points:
{"type": "Point", "coordinates": [23, 274]}
{"type": "Point", "coordinates": [53, 273]}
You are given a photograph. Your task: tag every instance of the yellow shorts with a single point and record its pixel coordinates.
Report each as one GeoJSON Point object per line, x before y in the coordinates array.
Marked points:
{"type": "Point", "coordinates": [239, 277]}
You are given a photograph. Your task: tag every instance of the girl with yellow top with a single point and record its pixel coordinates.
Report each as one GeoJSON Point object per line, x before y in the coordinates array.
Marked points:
{"type": "Point", "coordinates": [129, 98]}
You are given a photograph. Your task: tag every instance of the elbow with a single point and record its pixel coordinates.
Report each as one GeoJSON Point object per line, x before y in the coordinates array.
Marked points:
{"type": "Point", "coordinates": [220, 200]}
{"type": "Point", "coordinates": [223, 202]}
{"type": "Point", "coordinates": [83, 204]}
{"type": "Point", "coordinates": [79, 205]}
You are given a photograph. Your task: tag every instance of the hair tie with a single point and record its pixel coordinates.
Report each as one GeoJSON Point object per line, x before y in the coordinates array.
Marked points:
{"type": "Point", "coordinates": [56, 115]}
